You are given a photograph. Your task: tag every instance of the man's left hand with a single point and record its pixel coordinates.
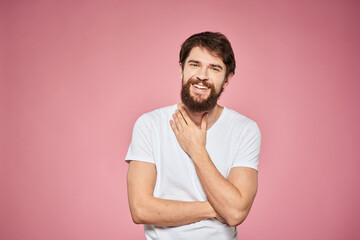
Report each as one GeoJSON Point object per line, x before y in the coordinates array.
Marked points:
{"type": "Point", "coordinates": [191, 138]}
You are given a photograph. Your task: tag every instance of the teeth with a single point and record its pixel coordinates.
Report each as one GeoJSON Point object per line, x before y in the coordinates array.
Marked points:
{"type": "Point", "coordinates": [201, 87]}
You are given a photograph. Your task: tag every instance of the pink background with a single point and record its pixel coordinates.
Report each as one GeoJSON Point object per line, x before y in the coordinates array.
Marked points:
{"type": "Point", "coordinates": [75, 75]}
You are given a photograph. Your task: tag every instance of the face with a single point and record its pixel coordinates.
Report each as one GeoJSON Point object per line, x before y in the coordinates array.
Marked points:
{"type": "Point", "coordinates": [203, 80]}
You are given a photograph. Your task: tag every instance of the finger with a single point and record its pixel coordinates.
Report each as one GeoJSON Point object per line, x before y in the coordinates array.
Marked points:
{"type": "Point", "coordinates": [204, 119]}
{"type": "Point", "coordinates": [177, 121]}
{"type": "Point", "coordinates": [180, 118]}
{"type": "Point", "coordinates": [185, 115]}
{"type": "Point", "coordinates": [173, 127]}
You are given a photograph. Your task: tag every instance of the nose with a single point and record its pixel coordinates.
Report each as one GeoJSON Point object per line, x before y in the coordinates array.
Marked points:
{"type": "Point", "coordinates": [202, 74]}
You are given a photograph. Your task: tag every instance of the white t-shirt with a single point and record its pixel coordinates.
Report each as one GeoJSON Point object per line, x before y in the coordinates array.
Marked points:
{"type": "Point", "coordinates": [233, 141]}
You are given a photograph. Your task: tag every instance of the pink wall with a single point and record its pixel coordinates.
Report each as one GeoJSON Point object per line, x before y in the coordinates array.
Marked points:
{"type": "Point", "coordinates": [75, 75]}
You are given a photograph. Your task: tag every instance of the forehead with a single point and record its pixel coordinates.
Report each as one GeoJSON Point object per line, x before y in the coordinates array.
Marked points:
{"type": "Point", "coordinates": [204, 56]}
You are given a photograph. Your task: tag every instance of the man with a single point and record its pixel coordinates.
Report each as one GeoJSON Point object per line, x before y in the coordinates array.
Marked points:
{"type": "Point", "coordinates": [193, 166]}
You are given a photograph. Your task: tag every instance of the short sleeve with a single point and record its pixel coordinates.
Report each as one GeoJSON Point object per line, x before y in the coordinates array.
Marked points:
{"type": "Point", "coordinates": [140, 148]}
{"type": "Point", "coordinates": [249, 148]}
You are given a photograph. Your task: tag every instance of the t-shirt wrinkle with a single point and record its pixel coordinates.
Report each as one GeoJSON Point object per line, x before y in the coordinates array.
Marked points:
{"type": "Point", "coordinates": [232, 141]}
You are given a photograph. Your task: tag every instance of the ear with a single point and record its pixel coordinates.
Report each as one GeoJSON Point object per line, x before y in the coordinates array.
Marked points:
{"type": "Point", "coordinates": [227, 80]}
{"type": "Point", "coordinates": [181, 71]}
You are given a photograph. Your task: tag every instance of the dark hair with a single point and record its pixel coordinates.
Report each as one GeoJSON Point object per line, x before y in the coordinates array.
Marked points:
{"type": "Point", "coordinates": [214, 42]}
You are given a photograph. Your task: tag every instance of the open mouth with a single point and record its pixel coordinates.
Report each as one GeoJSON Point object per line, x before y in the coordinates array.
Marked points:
{"type": "Point", "coordinates": [202, 87]}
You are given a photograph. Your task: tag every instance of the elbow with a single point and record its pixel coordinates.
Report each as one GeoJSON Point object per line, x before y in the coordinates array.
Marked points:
{"type": "Point", "coordinates": [137, 214]}
{"type": "Point", "coordinates": [136, 219]}
{"type": "Point", "coordinates": [141, 210]}
{"type": "Point", "coordinates": [236, 218]}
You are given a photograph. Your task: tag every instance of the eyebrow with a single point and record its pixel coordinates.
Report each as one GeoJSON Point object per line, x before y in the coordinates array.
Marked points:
{"type": "Point", "coordinates": [193, 61]}
{"type": "Point", "coordinates": [213, 65]}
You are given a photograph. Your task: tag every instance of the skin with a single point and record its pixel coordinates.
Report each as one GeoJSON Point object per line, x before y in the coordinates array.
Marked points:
{"type": "Point", "coordinates": [229, 200]}
{"type": "Point", "coordinates": [146, 209]}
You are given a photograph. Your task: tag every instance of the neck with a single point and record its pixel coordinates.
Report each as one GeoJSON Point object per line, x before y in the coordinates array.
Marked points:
{"type": "Point", "coordinates": [214, 114]}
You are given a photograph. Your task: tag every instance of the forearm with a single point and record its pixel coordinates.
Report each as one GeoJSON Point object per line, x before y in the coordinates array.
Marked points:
{"type": "Point", "coordinates": [145, 209]}
{"type": "Point", "coordinates": [231, 198]}
{"type": "Point", "coordinates": [162, 212]}
{"type": "Point", "coordinates": [226, 199]}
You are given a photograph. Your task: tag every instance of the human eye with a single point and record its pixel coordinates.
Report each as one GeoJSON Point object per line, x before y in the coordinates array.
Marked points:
{"type": "Point", "coordinates": [216, 69]}
{"type": "Point", "coordinates": [194, 64]}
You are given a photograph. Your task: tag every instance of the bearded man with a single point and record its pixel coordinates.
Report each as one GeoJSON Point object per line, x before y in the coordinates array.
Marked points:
{"type": "Point", "coordinates": [193, 165]}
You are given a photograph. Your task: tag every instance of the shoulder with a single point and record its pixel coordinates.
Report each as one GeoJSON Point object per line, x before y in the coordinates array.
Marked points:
{"type": "Point", "coordinates": [233, 117]}
{"type": "Point", "coordinates": [156, 116]}
{"type": "Point", "coordinates": [239, 125]}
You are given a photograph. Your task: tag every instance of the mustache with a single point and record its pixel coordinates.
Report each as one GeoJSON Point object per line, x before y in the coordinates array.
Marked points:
{"type": "Point", "coordinates": [196, 81]}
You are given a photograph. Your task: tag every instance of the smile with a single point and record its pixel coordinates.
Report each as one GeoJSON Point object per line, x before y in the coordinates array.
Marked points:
{"type": "Point", "coordinates": [200, 89]}
{"type": "Point", "coordinates": [200, 86]}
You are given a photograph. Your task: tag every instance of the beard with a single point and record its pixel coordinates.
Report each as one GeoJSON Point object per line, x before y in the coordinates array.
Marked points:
{"type": "Point", "coordinates": [197, 103]}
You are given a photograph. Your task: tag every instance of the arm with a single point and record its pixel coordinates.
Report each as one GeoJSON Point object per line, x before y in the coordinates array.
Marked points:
{"type": "Point", "coordinates": [146, 209]}
{"type": "Point", "coordinates": [232, 198]}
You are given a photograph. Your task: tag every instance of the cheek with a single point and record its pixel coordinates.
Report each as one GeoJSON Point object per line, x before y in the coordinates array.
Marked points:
{"type": "Point", "coordinates": [186, 78]}
{"type": "Point", "coordinates": [218, 85]}
{"type": "Point", "coordinates": [189, 73]}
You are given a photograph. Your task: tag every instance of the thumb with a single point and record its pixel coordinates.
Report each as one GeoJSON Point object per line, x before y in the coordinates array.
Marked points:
{"type": "Point", "coordinates": [204, 122]}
